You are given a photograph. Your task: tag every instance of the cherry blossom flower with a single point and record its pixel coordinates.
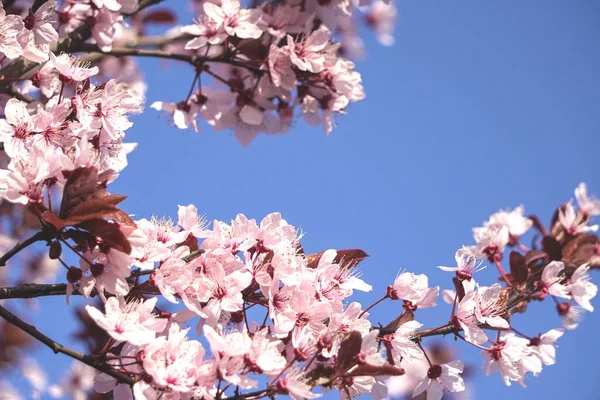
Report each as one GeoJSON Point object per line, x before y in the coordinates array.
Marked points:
{"type": "Point", "coordinates": [414, 289]}
{"type": "Point", "coordinates": [280, 68]}
{"type": "Point", "coordinates": [206, 32]}
{"type": "Point", "coordinates": [71, 69]}
{"type": "Point", "coordinates": [16, 127]}
{"type": "Point", "coordinates": [467, 264]}
{"type": "Point", "coordinates": [574, 223]}
{"type": "Point", "coordinates": [491, 240]}
{"type": "Point", "coordinates": [505, 357]}
{"type": "Point", "coordinates": [10, 27]}
{"type": "Point", "coordinates": [543, 346]}
{"type": "Point", "coordinates": [588, 205]}
{"type": "Point", "coordinates": [465, 317]}
{"type": "Point", "coordinates": [184, 113]}
{"type": "Point", "coordinates": [581, 287]}
{"type": "Point", "coordinates": [307, 53]}
{"type": "Point", "coordinates": [570, 315]}
{"type": "Point", "coordinates": [235, 22]}
{"type": "Point", "coordinates": [515, 221]}
{"type": "Point", "coordinates": [489, 306]}
{"type": "Point", "coordinates": [442, 377]}
{"type": "Point", "coordinates": [40, 23]}
{"type": "Point", "coordinates": [292, 385]}
{"type": "Point", "coordinates": [131, 322]}
{"type": "Point", "coordinates": [171, 360]}
{"type": "Point", "coordinates": [381, 17]}
{"type": "Point", "coordinates": [403, 347]}
{"type": "Point", "coordinates": [551, 277]}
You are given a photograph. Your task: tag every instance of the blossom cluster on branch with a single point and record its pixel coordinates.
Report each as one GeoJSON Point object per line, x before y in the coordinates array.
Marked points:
{"type": "Point", "coordinates": [190, 309]}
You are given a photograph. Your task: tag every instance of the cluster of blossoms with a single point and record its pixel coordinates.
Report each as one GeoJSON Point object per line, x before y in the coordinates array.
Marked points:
{"type": "Point", "coordinates": [264, 62]}
{"type": "Point", "coordinates": [242, 302]}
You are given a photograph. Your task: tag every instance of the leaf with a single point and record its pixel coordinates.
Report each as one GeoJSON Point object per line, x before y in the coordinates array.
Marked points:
{"type": "Point", "coordinates": [582, 249]}
{"type": "Point", "coordinates": [349, 349]}
{"type": "Point", "coordinates": [81, 185]}
{"type": "Point", "coordinates": [350, 258]}
{"type": "Point", "coordinates": [518, 267]}
{"type": "Point", "coordinates": [160, 16]}
{"type": "Point", "coordinates": [51, 218]}
{"type": "Point", "coordinates": [99, 209]}
{"type": "Point", "coordinates": [85, 240]}
{"type": "Point", "coordinates": [533, 256]}
{"type": "Point", "coordinates": [345, 258]}
{"type": "Point", "coordinates": [552, 248]}
{"type": "Point", "coordinates": [403, 318]}
{"type": "Point", "coordinates": [109, 232]}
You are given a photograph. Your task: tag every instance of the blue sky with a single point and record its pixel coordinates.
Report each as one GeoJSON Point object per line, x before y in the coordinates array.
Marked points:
{"type": "Point", "coordinates": [478, 106]}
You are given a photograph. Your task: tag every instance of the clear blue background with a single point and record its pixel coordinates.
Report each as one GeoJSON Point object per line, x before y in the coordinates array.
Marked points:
{"type": "Point", "coordinates": [478, 106]}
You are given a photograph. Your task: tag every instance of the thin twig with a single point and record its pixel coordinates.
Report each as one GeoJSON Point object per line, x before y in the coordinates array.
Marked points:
{"type": "Point", "coordinates": [56, 347]}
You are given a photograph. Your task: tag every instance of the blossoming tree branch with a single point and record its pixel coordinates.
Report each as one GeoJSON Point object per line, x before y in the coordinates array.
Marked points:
{"type": "Point", "coordinates": [252, 314]}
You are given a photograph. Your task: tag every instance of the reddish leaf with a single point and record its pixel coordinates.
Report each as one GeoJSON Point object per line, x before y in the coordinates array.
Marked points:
{"type": "Point", "coordinates": [518, 267]}
{"type": "Point", "coordinates": [109, 233]}
{"type": "Point", "coordinates": [552, 248]}
{"type": "Point", "coordinates": [583, 249]}
{"type": "Point", "coordinates": [160, 16]}
{"type": "Point", "coordinates": [349, 349]}
{"type": "Point", "coordinates": [190, 241]}
{"type": "Point", "coordinates": [533, 256]}
{"type": "Point", "coordinates": [98, 209]}
{"type": "Point", "coordinates": [51, 218]}
{"type": "Point", "coordinates": [81, 185]}
{"type": "Point", "coordinates": [85, 240]}
{"type": "Point", "coordinates": [345, 258]}
{"type": "Point", "coordinates": [403, 318]}
{"type": "Point", "coordinates": [350, 258]}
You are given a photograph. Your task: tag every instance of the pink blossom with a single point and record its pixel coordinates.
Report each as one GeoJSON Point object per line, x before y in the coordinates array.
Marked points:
{"type": "Point", "coordinates": [40, 23]}
{"type": "Point", "coordinates": [381, 17]}
{"type": "Point", "coordinates": [131, 322]}
{"type": "Point", "coordinates": [465, 317]}
{"type": "Point", "coordinates": [491, 240]}
{"type": "Point", "coordinates": [280, 68]}
{"type": "Point", "coordinates": [206, 32]}
{"type": "Point", "coordinates": [439, 377]}
{"type": "Point", "coordinates": [551, 277]}
{"type": "Point", "coordinates": [582, 289]}
{"type": "Point", "coordinates": [511, 358]}
{"type": "Point", "coordinates": [467, 264]}
{"type": "Point", "coordinates": [72, 69]}
{"type": "Point", "coordinates": [10, 27]}
{"type": "Point", "coordinates": [414, 289]}
{"type": "Point", "coordinates": [294, 387]}
{"type": "Point", "coordinates": [588, 205]}
{"type": "Point", "coordinates": [403, 347]}
{"type": "Point", "coordinates": [574, 223]}
{"type": "Point", "coordinates": [171, 360]}
{"type": "Point", "coordinates": [306, 53]}
{"type": "Point", "coordinates": [543, 346]}
{"type": "Point", "coordinates": [488, 309]}
{"type": "Point", "coordinates": [236, 22]}
{"type": "Point", "coordinates": [16, 127]}
{"type": "Point", "coordinates": [514, 220]}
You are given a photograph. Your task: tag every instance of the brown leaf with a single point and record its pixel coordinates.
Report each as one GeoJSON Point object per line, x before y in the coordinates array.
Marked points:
{"type": "Point", "coordinates": [403, 318]}
{"type": "Point", "coordinates": [552, 248]}
{"type": "Point", "coordinates": [160, 16]}
{"type": "Point", "coordinates": [51, 218]}
{"type": "Point", "coordinates": [518, 267]}
{"type": "Point", "coordinates": [110, 234]}
{"type": "Point", "coordinates": [582, 249]}
{"type": "Point", "coordinates": [350, 258]}
{"type": "Point", "coordinates": [81, 185]}
{"type": "Point", "coordinates": [345, 258]}
{"type": "Point", "coordinates": [533, 256]}
{"type": "Point", "coordinates": [98, 209]}
{"type": "Point", "coordinates": [349, 349]}
{"type": "Point", "coordinates": [85, 240]}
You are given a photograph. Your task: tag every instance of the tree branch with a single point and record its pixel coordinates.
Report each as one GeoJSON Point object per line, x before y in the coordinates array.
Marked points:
{"type": "Point", "coordinates": [39, 236]}
{"type": "Point", "coordinates": [90, 360]}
